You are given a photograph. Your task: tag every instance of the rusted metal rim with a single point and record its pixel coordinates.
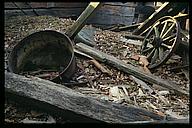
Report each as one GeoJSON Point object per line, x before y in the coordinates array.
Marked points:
{"type": "Point", "coordinates": [38, 40]}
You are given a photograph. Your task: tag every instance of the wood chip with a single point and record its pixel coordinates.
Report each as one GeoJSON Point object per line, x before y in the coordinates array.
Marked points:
{"type": "Point", "coordinates": [143, 61]}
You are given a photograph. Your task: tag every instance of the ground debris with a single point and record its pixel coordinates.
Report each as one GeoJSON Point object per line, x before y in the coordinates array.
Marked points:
{"type": "Point", "coordinates": [117, 87]}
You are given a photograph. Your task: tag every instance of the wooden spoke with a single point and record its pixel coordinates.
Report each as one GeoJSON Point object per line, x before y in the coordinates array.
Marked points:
{"type": "Point", "coordinates": [147, 50]}
{"type": "Point", "coordinates": [149, 56]}
{"type": "Point", "coordinates": [161, 50]}
{"type": "Point", "coordinates": [171, 40]}
{"type": "Point", "coordinates": [166, 46]}
{"type": "Point", "coordinates": [162, 32]}
{"type": "Point", "coordinates": [156, 31]}
{"type": "Point", "coordinates": [155, 55]}
{"type": "Point", "coordinates": [169, 37]}
{"type": "Point", "coordinates": [168, 31]}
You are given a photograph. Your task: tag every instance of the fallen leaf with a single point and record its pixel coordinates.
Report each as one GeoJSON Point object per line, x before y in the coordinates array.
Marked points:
{"type": "Point", "coordinates": [164, 92]}
{"type": "Point", "coordinates": [124, 53]}
{"type": "Point", "coordinates": [114, 92]}
{"type": "Point", "coordinates": [143, 60]}
{"type": "Point", "coordinates": [160, 113]}
{"type": "Point", "coordinates": [135, 57]}
{"type": "Point", "coordinates": [140, 93]}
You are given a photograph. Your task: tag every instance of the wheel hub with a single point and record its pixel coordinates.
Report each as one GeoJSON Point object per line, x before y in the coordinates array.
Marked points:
{"type": "Point", "coordinates": [157, 42]}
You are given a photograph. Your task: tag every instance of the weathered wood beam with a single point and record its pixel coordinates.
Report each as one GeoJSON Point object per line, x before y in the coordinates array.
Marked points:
{"type": "Point", "coordinates": [51, 96]}
{"type": "Point", "coordinates": [130, 69]}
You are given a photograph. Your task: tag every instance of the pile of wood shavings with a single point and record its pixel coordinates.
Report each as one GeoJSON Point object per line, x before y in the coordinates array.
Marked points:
{"type": "Point", "coordinates": [117, 87]}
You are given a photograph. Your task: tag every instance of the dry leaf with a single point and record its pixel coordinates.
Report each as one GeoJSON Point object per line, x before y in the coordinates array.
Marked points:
{"type": "Point", "coordinates": [135, 57]}
{"type": "Point", "coordinates": [114, 92]}
{"type": "Point", "coordinates": [140, 93]}
{"type": "Point", "coordinates": [124, 53]}
{"type": "Point", "coordinates": [160, 113]}
{"type": "Point", "coordinates": [143, 60]}
{"type": "Point", "coordinates": [164, 92]}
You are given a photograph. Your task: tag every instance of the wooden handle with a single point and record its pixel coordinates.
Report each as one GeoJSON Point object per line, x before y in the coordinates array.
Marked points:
{"type": "Point", "coordinates": [80, 22]}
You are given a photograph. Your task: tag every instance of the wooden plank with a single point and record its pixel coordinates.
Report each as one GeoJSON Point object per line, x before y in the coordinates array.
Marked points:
{"type": "Point", "coordinates": [130, 69]}
{"type": "Point", "coordinates": [103, 19]}
{"type": "Point", "coordinates": [22, 5]}
{"type": "Point", "coordinates": [51, 4]}
{"type": "Point", "coordinates": [8, 5]}
{"type": "Point", "coordinates": [126, 4]}
{"type": "Point", "coordinates": [116, 10]}
{"type": "Point", "coordinates": [53, 95]}
{"type": "Point", "coordinates": [71, 4]}
{"type": "Point", "coordinates": [108, 14]}
{"type": "Point", "coordinates": [67, 12]}
{"type": "Point", "coordinates": [38, 4]}
{"type": "Point", "coordinates": [29, 12]}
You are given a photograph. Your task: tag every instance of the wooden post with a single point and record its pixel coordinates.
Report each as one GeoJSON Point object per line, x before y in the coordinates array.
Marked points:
{"type": "Point", "coordinates": [80, 22]}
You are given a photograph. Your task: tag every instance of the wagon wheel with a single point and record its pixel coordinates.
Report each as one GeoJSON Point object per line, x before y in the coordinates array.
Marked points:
{"type": "Point", "coordinates": [161, 41]}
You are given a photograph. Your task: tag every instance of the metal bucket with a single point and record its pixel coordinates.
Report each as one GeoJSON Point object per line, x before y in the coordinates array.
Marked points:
{"type": "Point", "coordinates": [45, 50]}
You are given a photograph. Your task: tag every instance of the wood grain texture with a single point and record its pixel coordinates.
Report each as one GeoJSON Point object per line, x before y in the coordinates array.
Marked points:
{"type": "Point", "coordinates": [109, 14]}
{"type": "Point", "coordinates": [67, 100]}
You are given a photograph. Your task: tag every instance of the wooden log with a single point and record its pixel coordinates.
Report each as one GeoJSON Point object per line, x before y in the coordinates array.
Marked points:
{"type": "Point", "coordinates": [130, 69]}
{"type": "Point", "coordinates": [59, 99]}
